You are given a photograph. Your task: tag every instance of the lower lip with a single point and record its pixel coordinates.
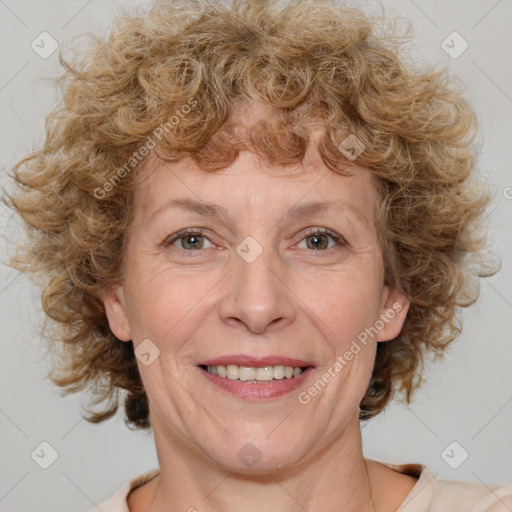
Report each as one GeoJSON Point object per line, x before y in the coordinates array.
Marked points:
{"type": "Point", "coordinates": [256, 391]}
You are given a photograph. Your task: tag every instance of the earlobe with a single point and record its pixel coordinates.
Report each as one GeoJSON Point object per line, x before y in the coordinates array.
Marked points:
{"type": "Point", "coordinates": [115, 308]}
{"type": "Point", "coordinates": [392, 315]}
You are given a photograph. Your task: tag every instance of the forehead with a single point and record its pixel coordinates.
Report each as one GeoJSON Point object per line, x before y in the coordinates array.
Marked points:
{"type": "Point", "coordinates": [253, 186]}
{"type": "Point", "coordinates": [254, 183]}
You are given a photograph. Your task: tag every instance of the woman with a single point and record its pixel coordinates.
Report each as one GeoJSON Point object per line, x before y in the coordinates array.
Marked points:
{"type": "Point", "coordinates": [256, 221]}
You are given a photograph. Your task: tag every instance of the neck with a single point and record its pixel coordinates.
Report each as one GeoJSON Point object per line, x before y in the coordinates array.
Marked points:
{"type": "Point", "coordinates": [334, 479]}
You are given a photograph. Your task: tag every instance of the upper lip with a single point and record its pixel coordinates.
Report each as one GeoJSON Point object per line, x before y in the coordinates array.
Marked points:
{"type": "Point", "coordinates": [243, 360]}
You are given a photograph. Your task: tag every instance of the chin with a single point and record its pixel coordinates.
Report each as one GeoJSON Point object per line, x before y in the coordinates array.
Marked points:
{"type": "Point", "coordinates": [253, 454]}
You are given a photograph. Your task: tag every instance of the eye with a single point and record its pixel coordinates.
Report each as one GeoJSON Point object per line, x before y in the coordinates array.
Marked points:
{"type": "Point", "coordinates": [194, 239]}
{"type": "Point", "coordinates": [319, 239]}
{"type": "Point", "coordinates": [188, 240]}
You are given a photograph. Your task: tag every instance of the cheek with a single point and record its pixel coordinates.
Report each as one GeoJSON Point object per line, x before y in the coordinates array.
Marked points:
{"type": "Point", "coordinates": [346, 305]}
{"type": "Point", "coordinates": [160, 303]}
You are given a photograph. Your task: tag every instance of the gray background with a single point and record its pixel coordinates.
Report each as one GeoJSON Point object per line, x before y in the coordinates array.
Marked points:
{"type": "Point", "coordinates": [467, 396]}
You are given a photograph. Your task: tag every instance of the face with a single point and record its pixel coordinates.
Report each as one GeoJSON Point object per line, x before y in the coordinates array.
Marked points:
{"type": "Point", "coordinates": [278, 267]}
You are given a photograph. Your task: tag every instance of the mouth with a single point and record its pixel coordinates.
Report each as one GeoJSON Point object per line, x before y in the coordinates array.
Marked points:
{"type": "Point", "coordinates": [256, 378]}
{"type": "Point", "coordinates": [255, 374]}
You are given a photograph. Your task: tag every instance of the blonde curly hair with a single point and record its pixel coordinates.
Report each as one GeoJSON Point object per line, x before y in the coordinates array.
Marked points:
{"type": "Point", "coordinates": [316, 64]}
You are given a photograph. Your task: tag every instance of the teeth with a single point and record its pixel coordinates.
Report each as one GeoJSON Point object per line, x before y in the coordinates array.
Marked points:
{"type": "Point", "coordinates": [245, 373]}
{"type": "Point", "coordinates": [279, 372]}
{"type": "Point", "coordinates": [265, 373]}
{"type": "Point", "coordinates": [253, 374]}
{"type": "Point", "coordinates": [233, 371]}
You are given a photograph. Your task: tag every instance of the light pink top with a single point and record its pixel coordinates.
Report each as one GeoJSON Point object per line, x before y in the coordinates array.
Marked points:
{"type": "Point", "coordinates": [428, 495]}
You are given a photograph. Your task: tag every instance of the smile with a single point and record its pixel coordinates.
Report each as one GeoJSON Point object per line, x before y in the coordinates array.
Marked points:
{"type": "Point", "coordinates": [255, 383]}
{"type": "Point", "coordinates": [253, 374]}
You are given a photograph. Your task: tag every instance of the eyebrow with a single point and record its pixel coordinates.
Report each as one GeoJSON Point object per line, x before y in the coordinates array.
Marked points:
{"type": "Point", "coordinates": [213, 210]}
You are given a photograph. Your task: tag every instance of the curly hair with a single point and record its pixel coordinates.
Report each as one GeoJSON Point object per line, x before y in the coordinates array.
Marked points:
{"type": "Point", "coordinates": [175, 77]}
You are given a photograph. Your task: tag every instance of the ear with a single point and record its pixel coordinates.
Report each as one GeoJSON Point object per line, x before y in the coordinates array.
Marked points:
{"type": "Point", "coordinates": [115, 307]}
{"type": "Point", "coordinates": [392, 315]}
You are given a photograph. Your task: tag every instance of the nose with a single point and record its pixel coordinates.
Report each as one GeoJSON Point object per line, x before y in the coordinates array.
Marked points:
{"type": "Point", "coordinates": [258, 296]}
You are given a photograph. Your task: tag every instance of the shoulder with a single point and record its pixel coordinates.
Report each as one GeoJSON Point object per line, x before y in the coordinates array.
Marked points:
{"type": "Point", "coordinates": [481, 498]}
{"type": "Point", "coordinates": [118, 501]}
{"type": "Point", "coordinates": [432, 494]}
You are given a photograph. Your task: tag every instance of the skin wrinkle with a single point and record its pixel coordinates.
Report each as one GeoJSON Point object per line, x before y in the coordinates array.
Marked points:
{"type": "Point", "coordinates": [277, 89]}
{"type": "Point", "coordinates": [244, 308]}
{"type": "Point", "coordinates": [124, 88]}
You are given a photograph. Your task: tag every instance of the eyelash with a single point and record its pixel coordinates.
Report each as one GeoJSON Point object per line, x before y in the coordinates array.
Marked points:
{"type": "Point", "coordinates": [340, 241]}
